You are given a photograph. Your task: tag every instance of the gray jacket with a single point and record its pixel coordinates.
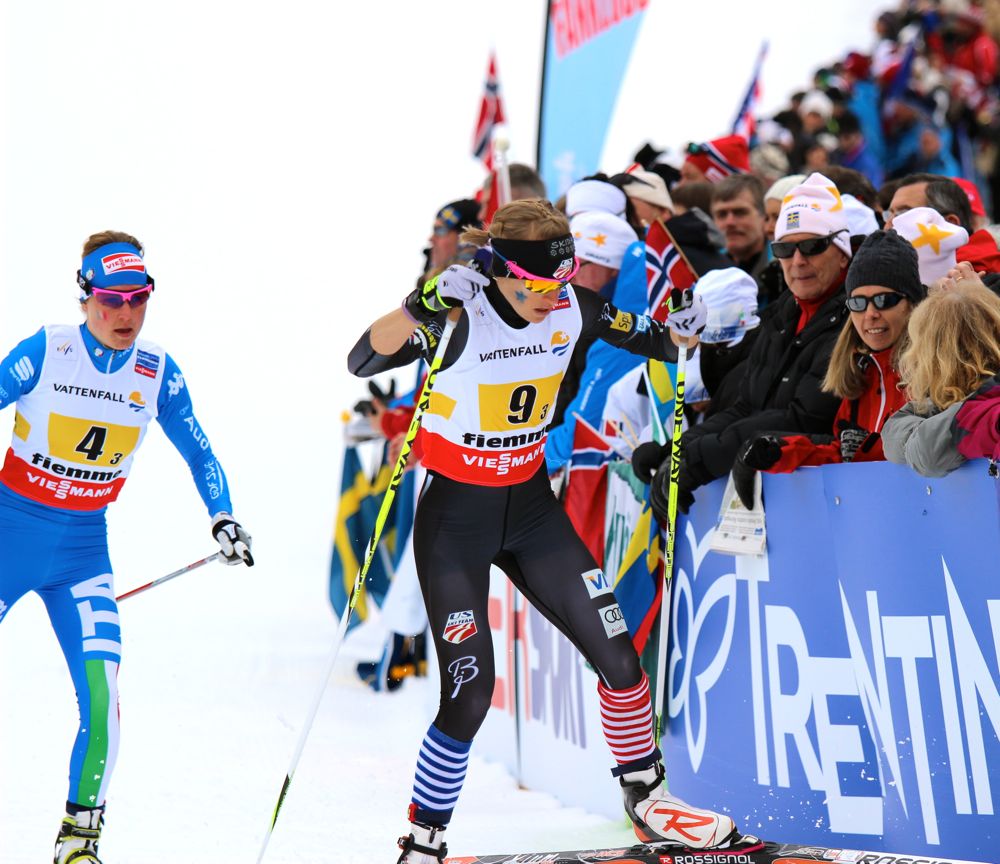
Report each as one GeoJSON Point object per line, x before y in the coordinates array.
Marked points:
{"type": "Point", "coordinates": [924, 442]}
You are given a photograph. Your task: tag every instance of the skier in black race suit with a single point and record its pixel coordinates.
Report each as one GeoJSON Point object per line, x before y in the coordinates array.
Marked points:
{"type": "Point", "coordinates": [487, 500]}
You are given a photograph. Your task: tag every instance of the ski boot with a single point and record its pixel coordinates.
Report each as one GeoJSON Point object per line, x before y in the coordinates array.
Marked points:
{"type": "Point", "coordinates": [79, 835]}
{"type": "Point", "coordinates": [423, 845]}
{"type": "Point", "coordinates": [658, 817]}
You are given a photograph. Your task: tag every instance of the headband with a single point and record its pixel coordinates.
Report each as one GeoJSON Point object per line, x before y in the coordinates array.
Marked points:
{"type": "Point", "coordinates": [113, 265]}
{"type": "Point", "coordinates": [552, 258]}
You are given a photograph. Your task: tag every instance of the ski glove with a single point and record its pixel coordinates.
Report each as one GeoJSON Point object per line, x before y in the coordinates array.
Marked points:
{"type": "Point", "coordinates": [854, 439]}
{"type": "Point", "coordinates": [687, 313]}
{"type": "Point", "coordinates": [232, 538]}
{"type": "Point", "coordinates": [452, 287]}
{"type": "Point", "coordinates": [758, 454]}
{"type": "Point", "coordinates": [647, 458]}
{"type": "Point", "coordinates": [367, 407]}
{"type": "Point", "coordinates": [659, 490]}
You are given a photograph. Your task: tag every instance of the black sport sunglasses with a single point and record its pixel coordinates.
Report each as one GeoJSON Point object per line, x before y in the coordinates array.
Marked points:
{"type": "Point", "coordinates": [808, 247]}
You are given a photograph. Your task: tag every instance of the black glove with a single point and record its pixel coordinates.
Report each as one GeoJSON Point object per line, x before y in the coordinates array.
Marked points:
{"type": "Point", "coordinates": [659, 491]}
{"type": "Point", "coordinates": [233, 539]}
{"type": "Point", "coordinates": [647, 458]}
{"type": "Point", "coordinates": [854, 439]}
{"type": "Point", "coordinates": [758, 454]}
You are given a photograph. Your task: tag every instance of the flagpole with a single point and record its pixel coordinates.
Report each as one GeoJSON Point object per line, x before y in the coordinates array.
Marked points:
{"type": "Point", "coordinates": [541, 89]}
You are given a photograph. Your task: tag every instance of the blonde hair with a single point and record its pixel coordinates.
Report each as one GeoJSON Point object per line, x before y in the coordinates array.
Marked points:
{"type": "Point", "coordinates": [955, 345]}
{"type": "Point", "coordinates": [102, 238]}
{"type": "Point", "coordinates": [526, 219]}
{"type": "Point", "coordinates": [845, 376]}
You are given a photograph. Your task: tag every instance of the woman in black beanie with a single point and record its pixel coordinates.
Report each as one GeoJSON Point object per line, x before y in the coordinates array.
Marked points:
{"type": "Point", "coordinates": [883, 285]}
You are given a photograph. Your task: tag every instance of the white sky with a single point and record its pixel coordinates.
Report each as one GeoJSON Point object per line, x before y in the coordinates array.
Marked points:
{"type": "Point", "coordinates": [282, 162]}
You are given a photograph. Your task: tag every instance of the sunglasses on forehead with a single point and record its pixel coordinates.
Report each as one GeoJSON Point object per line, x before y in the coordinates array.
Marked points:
{"type": "Point", "coordinates": [538, 284]}
{"type": "Point", "coordinates": [857, 303]}
{"type": "Point", "coordinates": [808, 247]}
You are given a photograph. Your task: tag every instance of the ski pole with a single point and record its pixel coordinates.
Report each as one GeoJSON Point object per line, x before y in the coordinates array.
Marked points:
{"type": "Point", "coordinates": [390, 494]}
{"type": "Point", "coordinates": [167, 578]}
{"type": "Point", "coordinates": [668, 553]}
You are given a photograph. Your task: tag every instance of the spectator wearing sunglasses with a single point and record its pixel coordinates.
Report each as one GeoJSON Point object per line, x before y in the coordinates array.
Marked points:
{"type": "Point", "coordinates": [85, 395]}
{"type": "Point", "coordinates": [445, 248]}
{"type": "Point", "coordinates": [952, 375]}
{"type": "Point", "coordinates": [488, 501]}
{"type": "Point", "coordinates": [883, 286]}
{"type": "Point", "coordinates": [782, 381]}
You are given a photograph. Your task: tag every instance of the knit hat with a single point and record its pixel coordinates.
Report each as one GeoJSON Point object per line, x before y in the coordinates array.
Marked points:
{"type": "Point", "coordinates": [860, 218]}
{"type": "Point", "coordinates": [459, 214]}
{"type": "Point", "coordinates": [599, 195]}
{"type": "Point", "coordinates": [972, 191]}
{"type": "Point", "coordinates": [780, 188]}
{"type": "Point", "coordinates": [885, 259]}
{"type": "Point", "coordinates": [815, 207]}
{"type": "Point", "coordinates": [769, 160]}
{"type": "Point", "coordinates": [731, 298]}
{"type": "Point", "coordinates": [601, 238]}
{"type": "Point", "coordinates": [647, 186]}
{"type": "Point", "coordinates": [721, 157]}
{"type": "Point", "coordinates": [934, 238]}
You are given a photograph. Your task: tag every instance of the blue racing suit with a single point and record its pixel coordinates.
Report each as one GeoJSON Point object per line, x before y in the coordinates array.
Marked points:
{"type": "Point", "coordinates": [59, 549]}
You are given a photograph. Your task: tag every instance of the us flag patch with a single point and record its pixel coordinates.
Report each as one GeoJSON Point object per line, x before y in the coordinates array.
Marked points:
{"type": "Point", "coordinates": [146, 363]}
{"type": "Point", "coordinates": [459, 627]}
{"type": "Point", "coordinates": [563, 301]}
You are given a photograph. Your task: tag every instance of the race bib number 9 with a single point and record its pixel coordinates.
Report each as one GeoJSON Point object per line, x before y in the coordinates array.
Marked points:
{"type": "Point", "coordinates": [75, 439]}
{"type": "Point", "coordinates": [518, 404]}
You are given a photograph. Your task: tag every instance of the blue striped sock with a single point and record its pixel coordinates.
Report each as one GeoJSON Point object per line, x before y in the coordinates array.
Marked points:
{"type": "Point", "coordinates": [441, 768]}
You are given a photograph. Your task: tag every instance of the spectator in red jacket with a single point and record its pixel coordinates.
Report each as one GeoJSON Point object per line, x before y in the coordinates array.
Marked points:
{"type": "Point", "coordinates": [883, 285]}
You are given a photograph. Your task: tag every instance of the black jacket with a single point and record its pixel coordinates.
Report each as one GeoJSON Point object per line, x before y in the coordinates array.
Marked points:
{"type": "Point", "coordinates": [780, 390]}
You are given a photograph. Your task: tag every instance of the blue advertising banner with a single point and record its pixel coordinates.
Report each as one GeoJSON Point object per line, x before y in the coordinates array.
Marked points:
{"type": "Point", "coordinates": [587, 46]}
{"type": "Point", "coordinates": [844, 689]}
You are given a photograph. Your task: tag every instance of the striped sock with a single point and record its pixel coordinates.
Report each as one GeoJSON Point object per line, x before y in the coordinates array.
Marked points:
{"type": "Point", "coordinates": [441, 768]}
{"type": "Point", "coordinates": [627, 718]}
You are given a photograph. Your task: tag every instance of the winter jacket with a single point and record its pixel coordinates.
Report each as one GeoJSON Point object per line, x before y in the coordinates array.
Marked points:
{"type": "Point", "coordinates": [977, 424]}
{"type": "Point", "coordinates": [981, 251]}
{"type": "Point", "coordinates": [937, 443]}
{"type": "Point", "coordinates": [780, 388]}
{"type": "Point", "coordinates": [881, 399]}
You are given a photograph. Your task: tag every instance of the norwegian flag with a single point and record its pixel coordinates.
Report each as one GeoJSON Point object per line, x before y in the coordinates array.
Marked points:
{"type": "Point", "coordinates": [745, 123]}
{"type": "Point", "coordinates": [665, 269]}
{"type": "Point", "coordinates": [587, 489]}
{"type": "Point", "coordinates": [490, 115]}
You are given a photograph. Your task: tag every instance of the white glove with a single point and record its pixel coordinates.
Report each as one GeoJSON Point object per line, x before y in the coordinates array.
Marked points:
{"type": "Point", "coordinates": [232, 539]}
{"type": "Point", "coordinates": [450, 288]}
{"type": "Point", "coordinates": [687, 313]}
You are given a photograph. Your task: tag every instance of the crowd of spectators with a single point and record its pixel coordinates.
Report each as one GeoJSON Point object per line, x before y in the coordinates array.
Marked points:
{"type": "Point", "coordinates": [847, 256]}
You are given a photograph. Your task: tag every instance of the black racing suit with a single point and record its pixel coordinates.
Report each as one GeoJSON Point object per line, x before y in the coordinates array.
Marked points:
{"type": "Point", "coordinates": [461, 529]}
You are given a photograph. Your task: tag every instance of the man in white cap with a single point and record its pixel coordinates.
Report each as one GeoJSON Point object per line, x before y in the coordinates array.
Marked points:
{"type": "Point", "coordinates": [935, 239]}
{"type": "Point", "coordinates": [780, 387]}
{"type": "Point", "coordinates": [602, 243]}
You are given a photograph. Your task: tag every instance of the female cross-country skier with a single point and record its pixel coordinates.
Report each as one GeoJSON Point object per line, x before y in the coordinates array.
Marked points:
{"type": "Point", "coordinates": [487, 500]}
{"type": "Point", "coordinates": [85, 395]}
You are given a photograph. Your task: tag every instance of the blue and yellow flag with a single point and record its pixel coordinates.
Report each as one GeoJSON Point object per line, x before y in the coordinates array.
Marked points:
{"type": "Point", "coordinates": [640, 577]}
{"type": "Point", "coordinates": [360, 499]}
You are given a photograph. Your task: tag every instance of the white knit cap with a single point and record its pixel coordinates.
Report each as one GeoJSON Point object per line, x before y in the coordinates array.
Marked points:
{"type": "Point", "coordinates": [815, 207]}
{"type": "Point", "coordinates": [649, 187]}
{"type": "Point", "coordinates": [594, 195]}
{"type": "Point", "coordinates": [816, 102]}
{"type": "Point", "coordinates": [780, 188]}
{"type": "Point", "coordinates": [601, 238]}
{"type": "Point", "coordinates": [934, 238]}
{"type": "Point", "coordinates": [731, 298]}
{"type": "Point", "coordinates": [860, 218]}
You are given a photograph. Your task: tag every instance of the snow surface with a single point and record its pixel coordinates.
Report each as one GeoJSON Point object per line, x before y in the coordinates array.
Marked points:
{"type": "Point", "coordinates": [282, 162]}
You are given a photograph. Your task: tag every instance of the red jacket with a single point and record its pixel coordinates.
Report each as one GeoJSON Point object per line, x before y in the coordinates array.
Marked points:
{"type": "Point", "coordinates": [981, 251]}
{"type": "Point", "coordinates": [881, 399]}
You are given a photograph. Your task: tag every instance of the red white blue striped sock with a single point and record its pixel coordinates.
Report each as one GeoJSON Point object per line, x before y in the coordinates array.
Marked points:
{"type": "Point", "coordinates": [627, 718]}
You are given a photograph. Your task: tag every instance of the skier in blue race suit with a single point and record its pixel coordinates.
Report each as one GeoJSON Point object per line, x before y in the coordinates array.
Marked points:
{"type": "Point", "coordinates": [84, 397]}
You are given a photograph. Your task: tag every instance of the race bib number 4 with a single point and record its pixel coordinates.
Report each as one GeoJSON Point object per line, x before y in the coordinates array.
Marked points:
{"type": "Point", "coordinates": [75, 439]}
{"type": "Point", "coordinates": [518, 404]}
